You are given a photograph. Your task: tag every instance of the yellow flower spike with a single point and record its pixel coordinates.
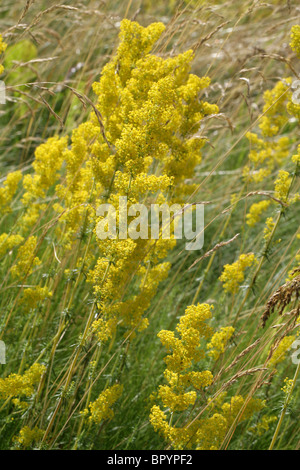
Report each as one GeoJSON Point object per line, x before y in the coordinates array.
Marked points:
{"type": "Point", "coordinates": [159, 421]}
{"type": "Point", "coordinates": [100, 409]}
{"type": "Point", "coordinates": [26, 260]}
{"type": "Point", "coordinates": [16, 385]}
{"type": "Point", "coordinates": [270, 224]}
{"type": "Point", "coordinates": [48, 160]}
{"type": "Point", "coordinates": [8, 242]}
{"type": "Point", "coordinates": [3, 47]}
{"type": "Point", "coordinates": [287, 386]}
{"type": "Point", "coordinates": [296, 158]}
{"type": "Point", "coordinates": [9, 189]}
{"type": "Point", "coordinates": [28, 436]}
{"type": "Point", "coordinates": [282, 185]}
{"type": "Point", "coordinates": [206, 432]}
{"type": "Point", "coordinates": [33, 295]}
{"type": "Point", "coordinates": [255, 212]}
{"type": "Point", "coordinates": [219, 341]}
{"type": "Point", "coordinates": [233, 274]}
{"type": "Point", "coordinates": [279, 355]}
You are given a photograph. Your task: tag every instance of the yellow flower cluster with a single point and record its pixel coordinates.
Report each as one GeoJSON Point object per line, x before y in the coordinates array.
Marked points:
{"type": "Point", "coordinates": [270, 224]}
{"type": "Point", "coordinates": [288, 383]}
{"type": "Point", "coordinates": [282, 189]}
{"type": "Point", "coordinates": [8, 190]}
{"type": "Point", "coordinates": [186, 350]}
{"type": "Point", "coordinates": [218, 342]}
{"type": "Point", "coordinates": [3, 47]}
{"type": "Point", "coordinates": [47, 162]}
{"type": "Point", "coordinates": [292, 273]}
{"type": "Point", "coordinates": [16, 385]}
{"type": "Point", "coordinates": [26, 259]}
{"type": "Point", "coordinates": [264, 155]}
{"type": "Point", "coordinates": [33, 295]}
{"type": "Point", "coordinates": [255, 212]}
{"type": "Point", "coordinates": [22, 405]}
{"type": "Point", "coordinates": [183, 384]}
{"type": "Point", "coordinates": [271, 149]}
{"type": "Point", "coordinates": [8, 242]}
{"type": "Point", "coordinates": [100, 409]}
{"type": "Point", "coordinates": [213, 430]}
{"type": "Point", "coordinates": [296, 158]}
{"type": "Point", "coordinates": [275, 106]}
{"type": "Point", "coordinates": [283, 186]}
{"type": "Point", "coordinates": [281, 350]}
{"type": "Point", "coordinates": [104, 329]}
{"type": "Point", "coordinates": [207, 433]}
{"type": "Point", "coordinates": [192, 326]}
{"type": "Point", "coordinates": [295, 39]}
{"type": "Point", "coordinates": [234, 274]}
{"type": "Point", "coordinates": [28, 436]}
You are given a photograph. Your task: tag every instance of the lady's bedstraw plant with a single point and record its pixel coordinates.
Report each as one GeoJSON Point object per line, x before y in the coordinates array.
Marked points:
{"type": "Point", "coordinates": [179, 422]}
{"type": "Point", "coordinates": [141, 141]}
{"type": "Point", "coordinates": [138, 143]}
